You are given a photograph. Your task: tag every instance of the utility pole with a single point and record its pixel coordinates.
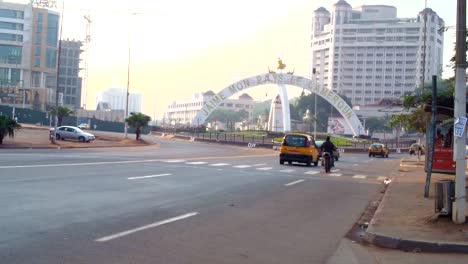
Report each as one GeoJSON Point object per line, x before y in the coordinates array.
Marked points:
{"type": "Point", "coordinates": [54, 138]}
{"type": "Point", "coordinates": [459, 204]}
{"type": "Point", "coordinates": [127, 93]}
{"type": "Point", "coordinates": [315, 103]}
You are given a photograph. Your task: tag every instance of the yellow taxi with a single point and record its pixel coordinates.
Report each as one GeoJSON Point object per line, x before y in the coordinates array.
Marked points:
{"type": "Point", "coordinates": [378, 149]}
{"type": "Point", "coordinates": [298, 147]}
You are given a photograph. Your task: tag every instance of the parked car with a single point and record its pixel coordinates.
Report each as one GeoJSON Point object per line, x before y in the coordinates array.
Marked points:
{"type": "Point", "coordinates": [84, 126]}
{"type": "Point", "coordinates": [298, 147]}
{"type": "Point", "coordinates": [318, 144]}
{"type": "Point", "coordinates": [413, 149]}
{"type": "Point", "coordinates": [378, 149]}
{"type": "Point", "coordinates": [73, 133]}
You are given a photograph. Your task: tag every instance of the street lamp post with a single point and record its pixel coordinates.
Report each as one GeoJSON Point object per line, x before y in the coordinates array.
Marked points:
{"type": "Point", "coordinates": [127, 93]}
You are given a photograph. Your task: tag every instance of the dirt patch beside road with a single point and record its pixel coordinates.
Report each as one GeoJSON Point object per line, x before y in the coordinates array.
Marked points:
{"type": "Point", "coordinates": [38, 137]}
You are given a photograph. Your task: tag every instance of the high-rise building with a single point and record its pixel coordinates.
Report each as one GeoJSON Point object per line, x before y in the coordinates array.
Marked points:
{"type": "Point", "coordinates": [115, 97]}
{"type": "Point", "coordinates": [28, 55]}
{"type": "Point", "coordinates": [69, 70]}
{"type": "Point", "coordinates": [368, 53]}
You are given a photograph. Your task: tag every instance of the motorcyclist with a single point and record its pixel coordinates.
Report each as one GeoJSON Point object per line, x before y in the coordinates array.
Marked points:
{"type": "Point", "coordinates": [329, 147]}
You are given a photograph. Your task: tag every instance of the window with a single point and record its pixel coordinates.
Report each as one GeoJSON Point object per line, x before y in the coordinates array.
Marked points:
{"type": "Point", "coordinates": [51, 58]}
{"type": "Point", "coordinates": [38, 39]}
{"type": "Point", "coordinates": [11, 26]}
{"type": "Point", "coordinates": [10, 54]}
{"type": "Point", "coordinates": [37, 62]}
{"type": "Point", "coordinates": [39, 17]}
{"type": "Point", "coordinates": [37, 51]}
{"type": "Point", "coordinates": [8, 13]}
{"type": "Point", "coordinates": [11, 37]}
{"type": "Point", "coordinates": [52, 29]}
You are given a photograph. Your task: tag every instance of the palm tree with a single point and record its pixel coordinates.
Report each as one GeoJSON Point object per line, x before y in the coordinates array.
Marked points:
{"type": "Point", "coordinates": [7, 127]}
{"type": "Point", "coordinates": [61, 112]}
{"type": "Point", "coordinates": [138, 121]}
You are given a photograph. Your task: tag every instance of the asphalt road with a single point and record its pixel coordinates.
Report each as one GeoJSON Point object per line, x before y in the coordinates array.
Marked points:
{"type": "Point", "coordinates": [178, 202]}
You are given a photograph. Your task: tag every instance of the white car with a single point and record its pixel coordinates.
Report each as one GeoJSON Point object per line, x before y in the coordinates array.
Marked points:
{"type": "Point", "coordinates": [84, 126]}
{"type": "Point", "coordinates": [73, 133]}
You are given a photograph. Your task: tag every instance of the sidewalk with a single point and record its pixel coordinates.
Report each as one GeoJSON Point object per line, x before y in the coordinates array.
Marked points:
{"type": "Point", "coordinates": [30, 136]}
{"type": "Point", "coordinates": [406, 220]}
{"type": "Point", "coordinates": [404, 228]}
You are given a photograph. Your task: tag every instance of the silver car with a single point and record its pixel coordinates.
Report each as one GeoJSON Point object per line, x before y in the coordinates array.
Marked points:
{"type": "Point", "coordinates": [73, 133]}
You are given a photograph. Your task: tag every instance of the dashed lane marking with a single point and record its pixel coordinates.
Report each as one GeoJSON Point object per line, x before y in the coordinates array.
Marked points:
{"type": "Point", "coordinates": [335, 174]}
{"type": "Point", "coordinates": [242, 166]}
{"type": "Point", "coordinates": [219, 164]}
{"type": "Point", "coordinates": [138, 229]}
{"type": "Point", "coordinates": [258, 165]}
{"type": "Point", "coordinates": [196, 163]}
{"type": "Point", "coordinates": [287, 171]}
{"type": "Point", "coordinates": [174, 161]}
{"type": "Point", "coordinates": [359, 176]}
{"type": "Point", "coordinates": [336, 170]}
{"type": "Point", "coordinates": [293, 183]}
{"type": "Point", "coordinates": [265, 168]}
{"type": "Point", "coordinates": [312, 172]}
{"type": "Point", "coordinates": [149, 176]}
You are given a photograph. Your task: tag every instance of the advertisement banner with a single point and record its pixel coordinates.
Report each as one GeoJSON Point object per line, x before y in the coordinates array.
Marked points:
{"type": "Point", "coordinates": [338, 126]}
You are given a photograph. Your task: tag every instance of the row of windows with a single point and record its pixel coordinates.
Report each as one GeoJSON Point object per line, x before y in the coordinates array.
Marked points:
{"type": "Point", "coordinates": [7, 13]}
{"type": "Point", "coordinates": [375, 84]}
{"type": "Point", "coordinates": [68, 81]}
{"type": "Point", "coordinates": [65, 71]}
{"type": "Point", "coordinates": [228, 105]}
{"type": "Point", "coordinates": [377, 39]}
{"type": "Point", "coordinates": [411, 30]}
{"type": "Point", "coordinates": [11, 25]}
{"type": "Point", "coordinates": [346, 55]}
{"type": "Point", "coordinates": [11, 37]}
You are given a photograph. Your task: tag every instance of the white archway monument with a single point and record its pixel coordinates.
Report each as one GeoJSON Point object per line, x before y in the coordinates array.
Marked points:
{"type": "Point", "coordinates": [282, 79]}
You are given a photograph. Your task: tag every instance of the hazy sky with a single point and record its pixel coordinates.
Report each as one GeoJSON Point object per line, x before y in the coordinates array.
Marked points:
{"type": "Point", "coordinates": [180, 47]}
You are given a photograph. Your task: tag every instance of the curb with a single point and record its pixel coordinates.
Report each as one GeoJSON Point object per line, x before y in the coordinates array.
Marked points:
{"type": "Point", "coordinates": [414, 245]}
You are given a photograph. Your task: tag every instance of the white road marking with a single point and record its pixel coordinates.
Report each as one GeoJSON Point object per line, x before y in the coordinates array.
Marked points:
{"type": "Point", "coordinates": [336, 170]}
{"type": "Point", "coordinates": [196, 162]}
{"type": "Point", "coordinates": [131, 231]}
{"type": "Point", "coordinates": [312, 172]}
{"type": "Point", "coordinates": [294, 182]}
{"type": "Point", "coordinates": [287, 171]}
{"type": "Point", "coordinates": [335, 174]}
{"type": "Point", "coordinates": [265, 169]}
{"type": "Point", "coordinates": [355, 164]}
{"type": "Point", "coordinates": [258, 165]}
{"type": "Point", "coordinates": [174, 161]}
{"type": "Point", "coordinates": [78, 164]}
{"type": "Point", "coordinates": [149, 176]}
{"type": "Point", "coordinates": [242, 166]}
{"type": "Point", "coordinates": [219, 164]}
{"type": "Point", "coordinates": [359, 176]}
{"type": "Point", "coordinates": [381, 178]}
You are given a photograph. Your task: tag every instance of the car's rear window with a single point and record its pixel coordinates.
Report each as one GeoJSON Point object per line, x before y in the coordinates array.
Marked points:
{"type": "Point", "coordinates": [376, 146]}
{"type": "Point", "coordinates": [295, 141]}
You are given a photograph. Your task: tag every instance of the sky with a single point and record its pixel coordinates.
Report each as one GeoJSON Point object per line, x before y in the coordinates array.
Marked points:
{"type": "Point", "coordinates": [181, 47]}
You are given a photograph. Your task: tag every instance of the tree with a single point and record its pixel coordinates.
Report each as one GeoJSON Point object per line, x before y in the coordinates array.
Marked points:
{"type": "Point", "coordinates": [398, 122]}
{"type": "Point", "coordinates": [7, 127]}
{"type": "Point", "coordinates": [138, 121]}
{"type": "Point", "coordinates": [61, 112]}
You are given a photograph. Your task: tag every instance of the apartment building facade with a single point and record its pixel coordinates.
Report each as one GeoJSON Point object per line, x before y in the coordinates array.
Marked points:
{"type": "Point", "coordinates": [368, 53]}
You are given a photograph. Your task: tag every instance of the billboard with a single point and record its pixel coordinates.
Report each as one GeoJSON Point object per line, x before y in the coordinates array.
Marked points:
{"type": "Point", "coordinates": [338, 126]}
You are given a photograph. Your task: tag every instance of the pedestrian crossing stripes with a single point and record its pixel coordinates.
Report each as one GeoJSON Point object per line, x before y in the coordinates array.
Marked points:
{"type": "Point", "coordinates": [287, 171]}
{"type": "Point", "coordinates": [381, 178]}
{"type": "Point", "coordinates": [258, 165]}
{"type": "Point", "coordinates": [312, 172]}
{"type": "Point", "coordinates": [336, 170]}
{"type": "Point", "coordinates": [174, 161]}
{"type": "Point", "coordinates": [265, 169]}
{"type": "Point", "coordinates": [242, 166]}
{"type": "Point", "coordinates": [359, 176]}
{"type": "Point", "coordinates": [335, 174]}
